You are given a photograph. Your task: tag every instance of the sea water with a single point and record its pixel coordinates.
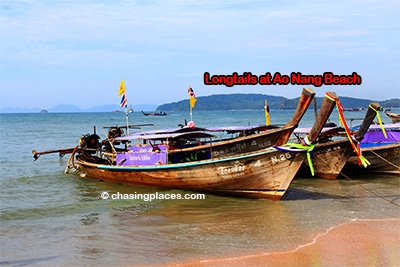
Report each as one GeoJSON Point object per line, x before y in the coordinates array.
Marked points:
{"type": "Point", "coordinates": [49, 218]}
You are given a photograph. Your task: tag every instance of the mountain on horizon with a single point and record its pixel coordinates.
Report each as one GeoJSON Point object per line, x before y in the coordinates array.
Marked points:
{"type": "Point", "coordinates": [212, 102]}
{"type": "Point", "coordinates": [256, 101]}
{"type": "Point", "coordinates": [64, 108]}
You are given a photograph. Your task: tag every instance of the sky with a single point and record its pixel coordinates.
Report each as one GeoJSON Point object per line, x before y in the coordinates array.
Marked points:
{"type": "Point", "coordinates": [76, 52]}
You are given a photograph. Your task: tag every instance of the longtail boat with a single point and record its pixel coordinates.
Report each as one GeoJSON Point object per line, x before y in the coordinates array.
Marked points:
{"type": "Point", "coordinates": [243, 139]}
{"type": "Point", "coordinates": [393, 116]}
{"type": "Point", "coordinates": [247, 138]}
{"type": "Point", "coordinates": [154, 113]}
{"type": "Point", "coordinates": [265, 173]}
{"type": "Point", "coordinates": [329, 155]}
{"type": "Point", "coordinates": [381, 148]}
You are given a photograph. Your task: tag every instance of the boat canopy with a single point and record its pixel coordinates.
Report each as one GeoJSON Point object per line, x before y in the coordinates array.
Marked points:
{"type": "Point", "coordinates": [378, 137]}
{"type": "Point", "coordinates": [389, 126]}
{"type": "Point", "coordinates": [324, 130]}
{"type": "Point", "coordinates": [169, 130]}
{"type": "Point", "coordinates": [166, 135]}
{"type": "Point", "coordinates": [375, 134]}
{"type": "Point", "coordinates": [174, 132]}
{"type": "Point", "coordinates": [240, 128]}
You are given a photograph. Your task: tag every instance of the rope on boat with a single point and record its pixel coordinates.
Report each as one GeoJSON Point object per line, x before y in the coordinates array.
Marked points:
{"type": "Point", "coordinates": [71, 162]}
{"type": "Point", "coordinates": [298, 148]}
{"type": "Point", "coordinates": [385, 160]}
{"type": "Point", "coordinates": [360, 185]}
{"type": "Point", "coordinates": [370, 191]}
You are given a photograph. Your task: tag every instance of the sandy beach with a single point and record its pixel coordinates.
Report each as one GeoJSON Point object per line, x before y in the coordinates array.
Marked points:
{"type": "Point", "coordinates": [354, 243]}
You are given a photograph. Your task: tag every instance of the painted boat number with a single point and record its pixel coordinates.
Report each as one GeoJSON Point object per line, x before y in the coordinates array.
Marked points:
{"type": "Point", "coordinates": [261, 145]}
{"type": "Point", "coordinates": [280, 157]}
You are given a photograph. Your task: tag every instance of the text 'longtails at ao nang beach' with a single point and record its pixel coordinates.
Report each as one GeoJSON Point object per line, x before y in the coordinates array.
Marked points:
{"type": "Point", "coordinates": [295, 78]}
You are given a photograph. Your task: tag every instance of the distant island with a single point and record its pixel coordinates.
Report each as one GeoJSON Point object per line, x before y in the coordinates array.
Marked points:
{"type": "Point", "coordinates": [212, 102]}
{"type": "Point", "coordinates": [74, 109]}
{"type": "Point", "coordinates": [256, 101]}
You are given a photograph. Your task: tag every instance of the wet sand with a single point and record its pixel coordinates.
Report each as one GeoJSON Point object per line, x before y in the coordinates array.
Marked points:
{"type": "Point", "coordinates": [355, 243]}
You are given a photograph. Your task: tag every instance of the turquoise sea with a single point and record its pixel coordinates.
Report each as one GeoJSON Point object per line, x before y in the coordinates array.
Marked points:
{"type": "Point", "coordinates": [48, 218]}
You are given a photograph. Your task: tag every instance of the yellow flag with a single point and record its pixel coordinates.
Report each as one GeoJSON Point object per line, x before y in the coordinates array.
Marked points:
{"type": "Point", "coordinates": [267, 117]}
{"type": "Point", "coordinates": [192, 101]}
{"type": "Point", "coordinates": [192, 96]}
{"type": "Point", "coordinates": [122, 88]}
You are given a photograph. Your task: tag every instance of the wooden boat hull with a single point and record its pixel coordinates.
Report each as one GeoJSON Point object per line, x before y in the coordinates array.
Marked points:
{"type": "Point", "coordinates": [393, 116]}
{"type": "Point", "coordinates": [384, 160]}
{"type": "Point", "coordinates": [268, 138]}
{"type": "Point", "coordinates": [264, 174]}
{"type": "Point", "coordinates": [235, 146]}
{"type": "Point", "coordinates": [248, 143]}
{"type": "Point", "coordinates": [328, 159]}
{"type": "Point", "coordinates": [241, 145]}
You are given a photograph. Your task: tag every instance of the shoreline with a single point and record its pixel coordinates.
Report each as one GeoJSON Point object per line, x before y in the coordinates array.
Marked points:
{"type": "Point", "coordinates": [364, 242]}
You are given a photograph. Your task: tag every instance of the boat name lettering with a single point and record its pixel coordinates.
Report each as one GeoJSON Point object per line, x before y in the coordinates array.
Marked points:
{"type": "Point", "coordinates": [141, 157]}
{"type": "Point", "coordinates": [237, 169]}
{"type": "Point", "coordinates": [235, 149]}
{"type": "Point", "coordinates": [238, 147]}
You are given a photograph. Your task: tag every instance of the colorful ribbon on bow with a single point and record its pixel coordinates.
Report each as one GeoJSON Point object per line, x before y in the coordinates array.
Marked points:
{"type": "Point", "coordinates": [379, 120]}
{"type": "Point", "coordinates": [361, 159]}
{"type": "Point", "coordinates": [307, 148]}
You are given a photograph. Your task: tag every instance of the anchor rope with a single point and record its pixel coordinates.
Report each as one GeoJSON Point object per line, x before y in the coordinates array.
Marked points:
{"type": "Point", "coordinates": [385, 160]}
{"type": "Point", "coordinates": [360, 185]}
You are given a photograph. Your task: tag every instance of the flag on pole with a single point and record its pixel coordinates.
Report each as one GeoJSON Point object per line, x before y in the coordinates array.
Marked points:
{"type": "Point", "coordinates": [123, 101]}
{"type": "Point", "coordinates": [122, 88]}
{"type": "Point", "coordinates": [121, 91]}
{"type": "Point", "coordinates": [267, 117]}
{"type": "Point", "coordinates": [192, 96]}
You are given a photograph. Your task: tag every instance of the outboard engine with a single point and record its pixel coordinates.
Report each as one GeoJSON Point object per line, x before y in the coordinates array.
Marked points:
{"type": "Point", "coordinates": [90, 141]}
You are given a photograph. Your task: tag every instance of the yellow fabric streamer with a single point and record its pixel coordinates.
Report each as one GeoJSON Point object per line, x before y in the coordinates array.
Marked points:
{"type": "Point", "coordinates": [361, 159]}
{"type": "Point", "coordinates": [308, 150]}
{"type": "Point", "coordinates": [379, 120]}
